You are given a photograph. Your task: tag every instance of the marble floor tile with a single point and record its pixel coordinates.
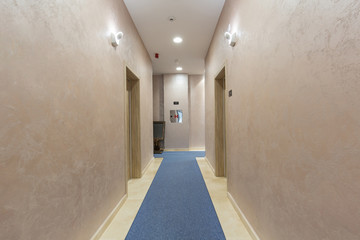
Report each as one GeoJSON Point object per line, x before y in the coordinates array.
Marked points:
{"type": "Point", "coordinates": [231, 223]}
{"type": "Point", "coordinates": [137, 189]}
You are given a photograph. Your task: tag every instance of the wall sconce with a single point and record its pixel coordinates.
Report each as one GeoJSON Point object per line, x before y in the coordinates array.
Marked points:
{"type": "Point", "coordinates": [230, 37]}
{"type": "Point", "coordinates": [115, 38]}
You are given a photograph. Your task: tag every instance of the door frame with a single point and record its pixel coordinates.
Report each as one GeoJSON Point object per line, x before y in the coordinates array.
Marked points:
{"type": "Point", "coordinates": [220, 123]}
{"type": "Point", "coordinates": [132, 130]}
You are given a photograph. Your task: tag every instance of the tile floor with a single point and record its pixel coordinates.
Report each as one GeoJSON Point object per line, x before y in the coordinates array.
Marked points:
{"type": "Point", "coordinates": [230, 222]}
{"type": "Point", "coordinates": [137, 189]}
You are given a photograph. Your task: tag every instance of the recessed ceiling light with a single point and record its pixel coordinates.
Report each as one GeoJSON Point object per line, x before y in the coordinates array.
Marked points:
{"type": "Point", "coordinates": [177, 40]}
{"type": "Point", "coordinates": [179, 68]}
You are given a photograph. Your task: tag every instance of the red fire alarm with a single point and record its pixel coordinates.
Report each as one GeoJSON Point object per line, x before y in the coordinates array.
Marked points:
{"type": "Point", "coordinates": [156, 55]}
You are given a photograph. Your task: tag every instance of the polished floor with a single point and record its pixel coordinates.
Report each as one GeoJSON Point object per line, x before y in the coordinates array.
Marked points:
{"type": "Point", "coordinates": [137, 189]}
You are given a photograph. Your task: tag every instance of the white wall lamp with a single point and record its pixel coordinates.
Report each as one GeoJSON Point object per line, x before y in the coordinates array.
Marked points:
{"type": "Point", "coordinates": [231, 37]}
{"type": "Point", "coordinates": [115, 38]}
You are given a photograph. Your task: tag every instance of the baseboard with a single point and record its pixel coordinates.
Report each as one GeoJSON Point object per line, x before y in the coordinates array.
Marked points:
{"type": "Point", "coordinates": [147, 166]}
{"type": "Point", "coordinates": [211, 167]}
{"type": "Point", "coordinates": [175, 149]}
{"type": "Point", "coordinates": [247, 224]}
{"type": "Point", "coordinates": [108, 220]}
{"type": "Point", "coordinates": [197, 149]}
{"type": "Point", "coordinates": [183, 149]}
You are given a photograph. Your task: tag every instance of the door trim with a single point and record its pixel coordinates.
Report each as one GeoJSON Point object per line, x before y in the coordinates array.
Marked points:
{"type": "Point", "coordinates": [132, 83]}
{"type": "Point", "coordinates": [220, 123]}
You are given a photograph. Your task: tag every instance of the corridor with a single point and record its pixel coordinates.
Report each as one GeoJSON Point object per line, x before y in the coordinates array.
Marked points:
{"type": "Point", "coordinates": [91, 91]}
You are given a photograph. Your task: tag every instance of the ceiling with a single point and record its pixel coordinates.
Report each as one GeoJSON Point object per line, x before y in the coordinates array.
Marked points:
{"type": "Point", "coordinates": [195, 22]}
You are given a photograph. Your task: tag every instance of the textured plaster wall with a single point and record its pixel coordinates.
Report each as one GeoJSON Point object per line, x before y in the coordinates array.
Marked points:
{"type": "Point", "coordinates": [176, 89]}
{"type": "Point", "coordinates": [196, 107]}
{"type": "Point", "coordinates": [158, 96]}
{"type": "Point", "coordinates": [62, 167]}
{"type": "Point", "coordinates": [197, 111]}
{"type": "Point", "coordinates": [293, 123]}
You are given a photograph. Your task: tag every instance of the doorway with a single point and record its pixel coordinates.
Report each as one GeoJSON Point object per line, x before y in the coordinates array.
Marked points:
{"type": "Point", "coordinates": [220, 125]}
{"type": "Point", "coordinates": [132, 123]}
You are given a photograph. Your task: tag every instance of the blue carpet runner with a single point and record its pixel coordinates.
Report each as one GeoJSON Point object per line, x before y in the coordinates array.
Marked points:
{"type": "Point", "coordinates": [177, 204]}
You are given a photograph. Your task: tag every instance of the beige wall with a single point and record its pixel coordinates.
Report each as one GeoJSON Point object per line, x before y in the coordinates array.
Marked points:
{"type": "Point", "coordinates": [197, 111]}
{"type": "Point", "coordinates": [176, 89]}
{"type": "Point", "coordinates": [158, 96]}
{"type": "Point", "coordinates": [195, 95]}
{"type": "Point", "coordinates": [62, 115]}
{"type": "Point", "coordinates": [293, 132]}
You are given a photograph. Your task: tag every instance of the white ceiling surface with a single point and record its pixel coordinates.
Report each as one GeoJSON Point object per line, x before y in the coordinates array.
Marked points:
{"type": "Point", "coordinates": [195, 23]}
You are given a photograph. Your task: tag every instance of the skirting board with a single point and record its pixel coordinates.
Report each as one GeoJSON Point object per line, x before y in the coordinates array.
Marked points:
{"type": "Point", "coordinates": [147, 166]}
{"type": "Point", "coordinates": [109, 218]}
{"type": "Point", "coordinates": [212, 169]}
{"type": "Point", "coordinates": [248, 226]}
{"type": "Point", "coordinates": [183, 149]}
{"type": "Point", "coordinates": [197, 149]}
